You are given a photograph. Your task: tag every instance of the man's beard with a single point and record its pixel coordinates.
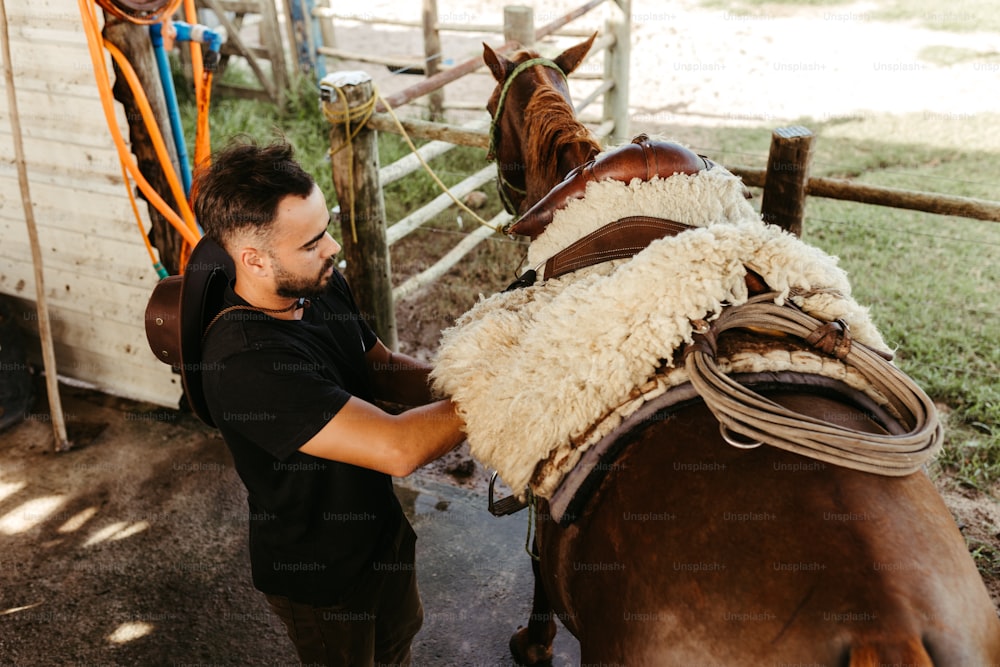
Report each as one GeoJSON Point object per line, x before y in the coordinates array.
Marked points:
{"type": "Point", "coordinates": [292, 286]}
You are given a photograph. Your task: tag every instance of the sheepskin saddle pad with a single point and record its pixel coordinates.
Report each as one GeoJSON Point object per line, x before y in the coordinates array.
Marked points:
{"type": "Point", "coordinates": [541, 374]}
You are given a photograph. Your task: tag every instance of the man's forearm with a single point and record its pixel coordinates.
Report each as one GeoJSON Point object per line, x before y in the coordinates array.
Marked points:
{"type": "Point", "coordinates": [403, 379]}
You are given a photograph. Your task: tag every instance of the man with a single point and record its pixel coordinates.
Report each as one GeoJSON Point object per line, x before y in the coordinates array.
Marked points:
{"type": "Point", "coordinates": [291, 375]}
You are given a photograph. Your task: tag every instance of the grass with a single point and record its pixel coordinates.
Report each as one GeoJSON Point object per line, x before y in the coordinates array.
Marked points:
{"type": "Point", "coordinates": [931, 281]}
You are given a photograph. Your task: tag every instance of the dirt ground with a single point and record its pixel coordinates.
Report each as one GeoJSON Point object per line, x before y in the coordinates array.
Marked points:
{"type": "Point", "coordinates": [129, 549]}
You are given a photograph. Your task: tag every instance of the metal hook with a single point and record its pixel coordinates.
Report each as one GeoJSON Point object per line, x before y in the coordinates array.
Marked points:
{"type": "Point", "coordinates": [731, 438]}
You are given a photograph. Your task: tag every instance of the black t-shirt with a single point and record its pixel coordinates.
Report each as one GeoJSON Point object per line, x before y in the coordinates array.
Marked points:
{"type": "Point", "coordinates": [315, 525]}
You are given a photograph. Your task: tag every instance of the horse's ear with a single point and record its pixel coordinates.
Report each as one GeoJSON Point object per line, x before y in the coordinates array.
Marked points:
{"type": "Point", "coordinates": [499, 66]}
{"type": "Point", "coordinates": [571, 58]}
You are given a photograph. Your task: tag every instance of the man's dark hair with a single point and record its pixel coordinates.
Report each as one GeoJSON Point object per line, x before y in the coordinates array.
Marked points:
{"type": "Point", "coordinates": [242, 187]}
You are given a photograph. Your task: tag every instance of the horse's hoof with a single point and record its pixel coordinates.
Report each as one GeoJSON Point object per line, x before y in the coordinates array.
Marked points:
{"type": "Point", "coordinates": [527, 653]}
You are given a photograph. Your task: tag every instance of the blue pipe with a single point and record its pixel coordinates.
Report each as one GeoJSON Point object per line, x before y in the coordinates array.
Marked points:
{"type": "Point", "coordinates": [213, 39]}
{"type": "Point", "coordinates": [173, 111]}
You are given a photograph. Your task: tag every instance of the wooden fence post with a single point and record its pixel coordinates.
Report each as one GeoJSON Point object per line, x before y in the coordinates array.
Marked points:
{"type": "Point", "coordinates": [362, 209]}
{"type": "Point", "coordinates": [784, 199]}
{"type": "Point", "coordinates": [616, 68]}
{"type": "Point", "coordinates": [519, 25]}
{"type": "Point", "coordinates": [432, 58]}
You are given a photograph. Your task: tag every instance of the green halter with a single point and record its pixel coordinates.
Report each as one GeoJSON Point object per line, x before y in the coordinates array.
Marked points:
{"type": "Point", "coordinates": [494, 127]}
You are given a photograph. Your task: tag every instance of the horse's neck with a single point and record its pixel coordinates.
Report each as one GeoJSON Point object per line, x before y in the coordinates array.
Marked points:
{"type": "Point", "coordinates": [549, 173]}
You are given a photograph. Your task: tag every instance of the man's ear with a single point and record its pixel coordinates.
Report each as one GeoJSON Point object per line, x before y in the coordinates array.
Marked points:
{"type": "Point", "coordinates": [253, 261]}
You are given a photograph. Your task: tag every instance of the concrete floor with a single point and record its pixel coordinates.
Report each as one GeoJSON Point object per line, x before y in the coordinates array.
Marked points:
{"type": "Point", "coordinates": [475, 578]}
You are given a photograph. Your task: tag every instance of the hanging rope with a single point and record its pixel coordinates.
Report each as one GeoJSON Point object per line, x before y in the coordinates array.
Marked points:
{"type": "Point", "coordinates": [347, 117]}
{"type": "Point", "coordinates": [427, 167]}
{"type": "Point", "coordinates": [356, 118]}
{"type": "Point", "coordinates": [744, 412]}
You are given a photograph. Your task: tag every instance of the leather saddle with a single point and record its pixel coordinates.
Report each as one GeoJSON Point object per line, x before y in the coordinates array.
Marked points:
{"type": "Point", "coordinates": [643, 158]}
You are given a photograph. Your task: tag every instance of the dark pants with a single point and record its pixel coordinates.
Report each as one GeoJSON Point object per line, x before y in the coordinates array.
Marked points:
{"type": "Point", "coordinates": [374, 625]}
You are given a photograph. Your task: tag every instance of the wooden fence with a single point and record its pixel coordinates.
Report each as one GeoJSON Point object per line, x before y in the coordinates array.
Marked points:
{"type": "Point", "coordinates": [358, 180]}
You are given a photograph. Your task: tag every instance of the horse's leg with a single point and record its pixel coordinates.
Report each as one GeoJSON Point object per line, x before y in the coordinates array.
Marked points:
{"type": "Point", "coordinates": [533, 645]}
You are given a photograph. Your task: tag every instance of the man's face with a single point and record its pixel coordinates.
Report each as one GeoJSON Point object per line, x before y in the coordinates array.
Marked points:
{"type": "Point", "coordinates": [302, 252]}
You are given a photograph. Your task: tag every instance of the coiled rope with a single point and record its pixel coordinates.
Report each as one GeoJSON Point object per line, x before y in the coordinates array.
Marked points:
{"type": "Point", "coordinates": [747, 413]}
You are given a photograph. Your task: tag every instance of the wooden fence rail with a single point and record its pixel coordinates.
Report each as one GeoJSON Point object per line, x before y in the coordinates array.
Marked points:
{"type": "Point", "coordinates": [831, 188]}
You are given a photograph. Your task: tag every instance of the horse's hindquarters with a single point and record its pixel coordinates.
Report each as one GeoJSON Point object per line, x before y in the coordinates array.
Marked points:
{"type": "Point", "coordinates": [695, 551]}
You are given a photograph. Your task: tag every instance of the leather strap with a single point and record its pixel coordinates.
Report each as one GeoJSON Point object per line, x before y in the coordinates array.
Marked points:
{"type": "Point", "coordinates": [620, 239]}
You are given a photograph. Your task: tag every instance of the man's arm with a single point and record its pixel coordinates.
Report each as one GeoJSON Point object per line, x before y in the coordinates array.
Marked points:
{"type": "Point", "coordinates": [398, 378]}
{"type": "Point", "coordinates": [363, 435]}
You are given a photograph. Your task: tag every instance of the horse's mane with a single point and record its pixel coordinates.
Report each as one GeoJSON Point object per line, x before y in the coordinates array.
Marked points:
{"type": "Point", "coordinates": [551, 125]}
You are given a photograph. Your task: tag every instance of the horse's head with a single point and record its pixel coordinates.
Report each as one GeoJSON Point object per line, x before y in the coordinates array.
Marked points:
{"type": "Point", "coordinates": [534, 137]}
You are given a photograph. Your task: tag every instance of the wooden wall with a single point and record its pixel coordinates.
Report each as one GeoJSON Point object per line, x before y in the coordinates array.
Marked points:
{"type": "Point", "coordinates": [97, 273]}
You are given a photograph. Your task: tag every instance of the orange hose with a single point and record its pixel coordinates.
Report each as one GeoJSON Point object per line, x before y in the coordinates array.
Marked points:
{"type": "Point", "coordinates": [203, 139]}
{"type": "Point", "coordinates": [187, 227]}
{"type": "Point", "coordinates": [159, 145]}
{"type": "Point", "coordinates": [197, 66]}
{"type": "Point", "coordinates": [116, 11]}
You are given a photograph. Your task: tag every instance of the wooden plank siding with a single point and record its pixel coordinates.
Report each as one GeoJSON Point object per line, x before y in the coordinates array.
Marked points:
{"type": "Point", "coordinates": [98, 275]}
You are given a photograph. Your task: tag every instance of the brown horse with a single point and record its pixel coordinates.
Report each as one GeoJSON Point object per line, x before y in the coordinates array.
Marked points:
{"type": "Point", "coordinates": [692, 551]}
{"type": "Point", "coordinates": [546, 125]}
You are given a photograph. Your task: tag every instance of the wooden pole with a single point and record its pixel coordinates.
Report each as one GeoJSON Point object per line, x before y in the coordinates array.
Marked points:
{"type": "Point", "coordinates": [784, 199]}
{"type": "Point", "coordinates": [304, 35]}
{"type": "Point", "coordinates": [62, 442]}
{"type": "Point", "coordinates": [133, 41]}
{"type": "Point", "coordinates": [327, 33]}
{"type": "Point", "coordinates": [519, 25]}
{"type": "Point", "coordinates": [616, 69]}
{"type": "Point", "coordinates": [432, 57]}
{"type": "Point", "coordinates": [362, 209]}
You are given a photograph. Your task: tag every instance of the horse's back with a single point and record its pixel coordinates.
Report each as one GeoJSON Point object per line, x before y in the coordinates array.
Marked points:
{"type": "Point", "coordinates": [696, 552]}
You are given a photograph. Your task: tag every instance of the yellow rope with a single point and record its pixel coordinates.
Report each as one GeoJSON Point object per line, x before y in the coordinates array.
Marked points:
{"type": "Point", "coordinates": [359, 116]}
{"type": "Point", "coordinates": [444, 188]}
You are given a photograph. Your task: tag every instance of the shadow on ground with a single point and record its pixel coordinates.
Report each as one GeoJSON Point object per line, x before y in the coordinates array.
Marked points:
{"type": "Point", "coordinates": [130, 550]}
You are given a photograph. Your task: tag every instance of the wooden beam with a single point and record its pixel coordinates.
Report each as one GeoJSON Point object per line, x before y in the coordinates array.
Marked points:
{"type": "Point", "coordinates": [423, 129]}
{"type": "Point", "coordinates": [876, 195]}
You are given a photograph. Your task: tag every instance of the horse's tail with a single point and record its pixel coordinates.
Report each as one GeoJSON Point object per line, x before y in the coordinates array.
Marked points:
{"type": "Point", "coordinates": [910, 651]}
